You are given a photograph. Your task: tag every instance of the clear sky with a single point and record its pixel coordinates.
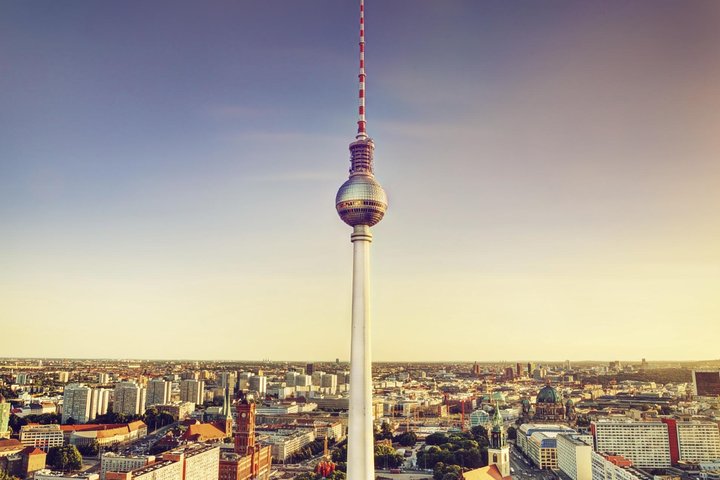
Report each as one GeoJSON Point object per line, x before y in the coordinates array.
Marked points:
{"type": "Point", "coordinates": [168, 172]}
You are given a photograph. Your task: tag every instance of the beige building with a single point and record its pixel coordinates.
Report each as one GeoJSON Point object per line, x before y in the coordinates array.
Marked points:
{"type": "Point", "coordinates": [645, 444]}
{"type": "Point", "coordinates": [43, 437]}
{"type": "Point", "coordinates": [698, 441]}
{"type": "Point", "coordinates": [129, 398]}
{"type": "Point", "coordinates": [574, 457]}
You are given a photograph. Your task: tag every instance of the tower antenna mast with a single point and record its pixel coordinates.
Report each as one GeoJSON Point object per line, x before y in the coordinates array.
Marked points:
{"type": "Point", "coordinates": [362, 132]}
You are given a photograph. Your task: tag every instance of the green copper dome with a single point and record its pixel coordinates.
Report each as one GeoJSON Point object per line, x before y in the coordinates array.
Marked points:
{"type": "Point", "coordinates": [548, 395]}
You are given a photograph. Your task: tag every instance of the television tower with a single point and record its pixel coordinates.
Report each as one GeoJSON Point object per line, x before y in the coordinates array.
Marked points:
{"type": "Point", "coordinates": [361, 203]}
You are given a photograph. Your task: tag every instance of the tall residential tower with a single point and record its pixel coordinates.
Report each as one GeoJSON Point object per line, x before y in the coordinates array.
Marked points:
{"type": "Point", "coordinates": [361, 203]}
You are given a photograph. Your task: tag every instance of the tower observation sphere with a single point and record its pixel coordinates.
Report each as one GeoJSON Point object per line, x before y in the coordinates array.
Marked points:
{"type": "Point", "coordinates": [361, 200]}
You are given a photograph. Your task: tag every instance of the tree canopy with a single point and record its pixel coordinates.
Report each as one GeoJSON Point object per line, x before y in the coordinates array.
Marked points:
{"type": "Point", "coordinates": [65, 458]}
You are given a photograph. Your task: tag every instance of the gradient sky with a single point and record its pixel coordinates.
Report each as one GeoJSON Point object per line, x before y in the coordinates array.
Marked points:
{"type": "Point", "coordinates": [168, 172]}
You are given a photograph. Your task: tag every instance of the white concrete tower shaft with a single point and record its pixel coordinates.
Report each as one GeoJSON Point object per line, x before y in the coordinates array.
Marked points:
{"type": "Point", "coordinates": [361, 456]}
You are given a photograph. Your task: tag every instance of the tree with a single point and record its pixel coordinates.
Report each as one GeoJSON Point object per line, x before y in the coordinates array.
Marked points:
{"type": "Point", "coordinates": [436, 439]}
{"type": "Point", "coordinates": [6, 476]}
{"type": "Point", "coordinates": [385, 432]}
{"type": "Point", "coordinates": [512, 433]}
{"type": "Point", "coordinates": [89, 450]}
{"type": "Point", "coordinates": [446, 472]}
{"type": "Point", "coordinates": [387, 457]}
{"type": "Point", "coordinates": [65, 458]}
{"type": "Point", "coordinates": [407, 439]}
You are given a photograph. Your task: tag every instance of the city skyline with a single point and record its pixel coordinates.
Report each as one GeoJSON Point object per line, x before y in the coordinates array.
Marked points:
{"type": "Point", "coordinates": [551, 169]}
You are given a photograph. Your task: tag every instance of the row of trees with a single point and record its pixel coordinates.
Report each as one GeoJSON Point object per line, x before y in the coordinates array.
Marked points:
{"type": "Point", "coordinates": [308, 451]}
{"type": "Point", "coordinates": [385, 456]}
{"type": "Point", "coordinates": [45, 419]}
{"type": "Point", "coordinates": [336, 475]}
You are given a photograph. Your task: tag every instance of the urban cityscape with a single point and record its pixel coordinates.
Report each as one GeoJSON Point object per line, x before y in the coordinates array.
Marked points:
{"type": "Point", "coordinates": [130, 419]}
{"type": "Point", "coordinates": [546, 291]}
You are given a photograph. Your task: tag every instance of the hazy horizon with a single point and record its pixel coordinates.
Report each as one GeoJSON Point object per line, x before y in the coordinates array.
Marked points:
{"type": "Point", "coordinates": [168, 173]}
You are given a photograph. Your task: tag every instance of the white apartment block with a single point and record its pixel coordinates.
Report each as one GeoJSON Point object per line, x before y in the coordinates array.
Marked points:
{"type": "Point", "coordinates": [129, 398]}
{"type": "Point", "coordinates": [162, 470]}
{"type": "Point", "coordinates": [573, 457]}
{"type": "Point", "coordinates": [99, 400]}
{"type": "Point", "coordinates": [646, 444]}
{"type": "Point", "coordinates": [284, 443]}
{"type": "Point", "coordinates": [159, 392]}
{"type": "Point", "coordinates": [112, 462]}
{"type": "Point", "coordinates": [43, 437]}
{"type": "Point", "coordinates": [76, 403]}
{"type": "Point", "coordinates": [698, 441]}
{"type": "Point", "coordinates": [199, 463]}
{"type": "Point", "coordinates": [603, 468]}
{"type": "Point", "coordinates": [192, 391]}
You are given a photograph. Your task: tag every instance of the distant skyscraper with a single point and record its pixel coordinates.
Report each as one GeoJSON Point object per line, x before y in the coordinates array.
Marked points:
{"type": "Point", "coordinates": [129, 398]}
{"type": "Point", "coordinates": [361, 203]}
{"type": "Point", "coordinates": [158, 392]}
{"type": "Point", "coordinates": [706, 383]}
{"type": "Point", "coordinates": [258, 383]}
{"type": "Point", "coordinates": [76, 403]}
{"type": "Point", "coordinates": [192, 391]}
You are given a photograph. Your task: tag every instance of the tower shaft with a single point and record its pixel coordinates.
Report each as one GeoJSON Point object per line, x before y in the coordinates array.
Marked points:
{"type": "Point", "coordinates": [360, 465]}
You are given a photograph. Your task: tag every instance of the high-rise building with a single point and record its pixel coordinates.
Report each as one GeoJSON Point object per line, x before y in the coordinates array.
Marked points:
{"type": "Point", "coordinates": [192, 391]}
{"type": "Point", "coordinates": [693, 441]}
{"type": "Point", "coordinates": [614, 467]}
{"type": "Point", "coordinates": [574, 457]}
{"type": "Point", "coordinates": [706, 383]}
{"type": "Point", "coordinates": [129, 398]}
{"type": "Point", "coordinates": [310, 368]}
{"type": "Point", "coordinates": [228, 379]}
{"type": "Point", "coordinates": [159, 391]}
{"type": "Point", "coordinates": [361, 203]}
{"type": "Point", "coordinates": [99, 402]}
{"type": "Point", "coordinates": [63, 377]}
{"type": "Point", "coordinates": [76, 403]}
{"type": "Point", "coordinates": [200, 462]}
{"type": "Point", "coordinates": [290, 378]}
{"type": "Point", "coordinates": [530, 369]}
{"type": "Point", "coordinates": [330, 382]}
{"type": "Point", "coordinates": [645, 444]}
{"type": "Point", "coordinates": [258, 383]}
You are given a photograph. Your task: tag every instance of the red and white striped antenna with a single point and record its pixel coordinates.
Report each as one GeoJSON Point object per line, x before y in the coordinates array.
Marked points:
{"type": "Point", "coordinates": [362, 133]}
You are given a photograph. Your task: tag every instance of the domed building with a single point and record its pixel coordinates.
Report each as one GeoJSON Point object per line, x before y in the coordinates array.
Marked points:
{"type": "Point", "coordinates": [549, 405]}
